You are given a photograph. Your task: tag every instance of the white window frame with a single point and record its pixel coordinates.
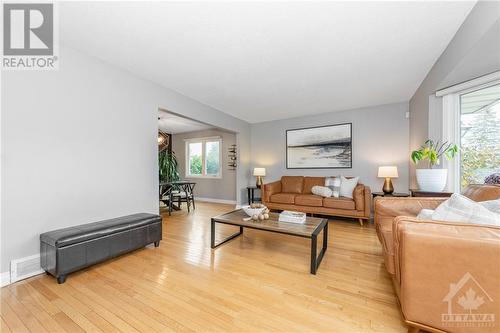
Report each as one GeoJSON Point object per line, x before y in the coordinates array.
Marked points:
{"type": "Point", "coordinates": [450, 127]}
{"type": "Point", "coordinates": [203, 142]}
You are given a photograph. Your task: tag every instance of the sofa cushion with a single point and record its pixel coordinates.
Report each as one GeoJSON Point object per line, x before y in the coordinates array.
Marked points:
{"type": "Point", "coordinates": [339, 203]}
{"type": "Point", "coordinates": [292, 184]}
{"type": "Point", "coordinates": [287, 198]}
{"type": "Point", "coordinates": [309, 200]}
{"type": "Point", "coordinates": [309, 182]}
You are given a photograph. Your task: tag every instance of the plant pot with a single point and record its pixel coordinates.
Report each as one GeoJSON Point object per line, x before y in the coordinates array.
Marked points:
{"type": "Point", "coordinates": [432, 180]}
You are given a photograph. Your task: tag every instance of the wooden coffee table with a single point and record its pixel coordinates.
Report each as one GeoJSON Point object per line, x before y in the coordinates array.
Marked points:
{"type": "Point", "coordinates": [310, 229]}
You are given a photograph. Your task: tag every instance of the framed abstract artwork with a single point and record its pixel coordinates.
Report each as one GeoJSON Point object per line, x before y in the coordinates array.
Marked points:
{"type": "Point", "coordinates": [322, 147]}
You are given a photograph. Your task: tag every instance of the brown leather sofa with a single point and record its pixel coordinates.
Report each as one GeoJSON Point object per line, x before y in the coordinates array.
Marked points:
{"type": "Point", "coordinates": [433, 264]}
{"type": "Point", "coordinates": [294, 193]}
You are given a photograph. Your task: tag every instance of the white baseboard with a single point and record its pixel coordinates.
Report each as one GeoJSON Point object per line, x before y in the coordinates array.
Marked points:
{"type": "Point", "coordinates": [222, 201]}
{"type": "Point", "coordinates": [4, 279]}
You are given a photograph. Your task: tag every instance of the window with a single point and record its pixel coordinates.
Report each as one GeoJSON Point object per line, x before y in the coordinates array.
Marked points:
{"type": "Point", "coordinates": [471, 119]}
{"type": "Point", "coordinates": [203, 158]}
{"type": "Point", "coordinates": [479, 135]}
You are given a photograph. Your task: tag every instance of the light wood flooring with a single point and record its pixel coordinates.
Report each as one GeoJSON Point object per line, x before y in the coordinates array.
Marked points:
{"type": "Point", "coordinates": [259, 282]}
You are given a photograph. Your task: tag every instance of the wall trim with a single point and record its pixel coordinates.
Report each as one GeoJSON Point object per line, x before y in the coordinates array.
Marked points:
{"type": "Point", "coordinates": [223, 201]}
{"type": "Point", "coordinates": [4, 279]}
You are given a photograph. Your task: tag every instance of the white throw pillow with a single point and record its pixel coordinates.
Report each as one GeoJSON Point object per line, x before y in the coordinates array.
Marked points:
{"type": "Point", "coordinates": [322, 191]}
{"type": "Point", "coordinates": [425, 214]}
{"type": "Point", "coordinates": [347, 186]}
{"type": "Point", "coordinates": [462, 209]}
{"type": "Point", "coordinates": [334, 184]}
{"type": "Point", "coordinates": [493, 205]}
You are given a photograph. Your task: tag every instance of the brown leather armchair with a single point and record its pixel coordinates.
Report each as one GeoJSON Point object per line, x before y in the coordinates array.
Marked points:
{"type": "Point", "coordinates": [446, 274]}
{"type": "Point", "coordinates": [294, 193]}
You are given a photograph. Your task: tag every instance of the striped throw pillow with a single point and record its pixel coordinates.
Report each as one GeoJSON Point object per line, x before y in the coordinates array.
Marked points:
{"type": "Point", "coordinates": [334, 184]}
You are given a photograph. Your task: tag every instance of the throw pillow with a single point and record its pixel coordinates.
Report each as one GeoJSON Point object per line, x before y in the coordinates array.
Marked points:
{"type": "Point", "coordinates": [425, 214]}
{"type": "Point", "coordinates": [329, 181]}
{"type": "Point", "coordinates": [334, 184]}
{"type": "Point", "coordinates": [322, 191]}
{"type": "Point", "coordinates": [459, 208]}
{"type": "Point", "coordinates": [347, 186]}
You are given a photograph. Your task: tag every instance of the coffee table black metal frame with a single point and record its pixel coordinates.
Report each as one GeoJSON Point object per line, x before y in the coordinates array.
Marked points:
{"type": "Point", "coordinates": [315, 258]}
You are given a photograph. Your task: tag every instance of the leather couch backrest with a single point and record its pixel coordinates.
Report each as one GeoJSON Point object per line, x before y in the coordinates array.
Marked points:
{"type": "Point", "coordinates": [309, 182]}
{"type": "Point", "coordinates": [482, 192]}
{"type": "Point", "coordinates": [292, 184]}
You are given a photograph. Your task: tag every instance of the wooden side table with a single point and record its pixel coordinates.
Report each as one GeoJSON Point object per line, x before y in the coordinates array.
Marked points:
{"type": "Point", "coordinates": [394, 194]}
{"type": "Point", "coordinates": [429, 194]}
{"type": "Point", "coordinates": [251, 194]}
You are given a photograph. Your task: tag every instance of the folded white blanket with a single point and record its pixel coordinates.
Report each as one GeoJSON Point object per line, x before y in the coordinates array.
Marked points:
{"type": "Point", "coordinates": [459, 208]}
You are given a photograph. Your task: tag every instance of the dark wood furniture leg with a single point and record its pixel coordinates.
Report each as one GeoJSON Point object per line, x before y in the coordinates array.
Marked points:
{"type": "Point", "coordinates": [190, 198]}
{"type": "Point", "coordinates": [170, 197]}
{"type": "Point", "coordinates": [212, 235]}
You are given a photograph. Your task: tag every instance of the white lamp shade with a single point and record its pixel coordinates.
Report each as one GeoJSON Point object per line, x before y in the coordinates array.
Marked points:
{"type": "Point", "coordinates": [388, 172]}
{"type": "Point", "coordinates": [259, 171]}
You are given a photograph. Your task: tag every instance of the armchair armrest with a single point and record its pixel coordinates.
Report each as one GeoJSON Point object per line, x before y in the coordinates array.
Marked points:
{"type": "Point", "coordinates": [362, 199]}
{"type": "Point", "coordinates": [368, 201]}
{"type": "Point", "coordinates": [386, 210]}
{"type": "Point", "coordinates": [270, 189]}
{"type": "Point", "coordinates": [437, 263]}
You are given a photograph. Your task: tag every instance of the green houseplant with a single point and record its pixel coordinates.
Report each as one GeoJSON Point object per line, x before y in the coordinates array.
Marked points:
{"type": "Point", "coordinates": [167, 166]}
{"type": "Point", "coordinates": [431, 179]}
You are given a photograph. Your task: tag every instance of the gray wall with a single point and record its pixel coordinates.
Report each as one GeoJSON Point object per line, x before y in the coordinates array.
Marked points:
{"type": "Point", "coordinates": [223, 188]}
{"type": "Point", "coordinates": [380, 137]}
{"type": "Point", "coordinates": [79, 145]}
{"type": "Point", "coordinates": [474, 51]}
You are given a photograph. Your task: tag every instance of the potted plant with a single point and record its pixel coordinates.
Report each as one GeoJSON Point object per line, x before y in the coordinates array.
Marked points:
{"type": "Point", "coordinates": [167, 166]}
{"type": "Point", "coordinates": [433, 180]}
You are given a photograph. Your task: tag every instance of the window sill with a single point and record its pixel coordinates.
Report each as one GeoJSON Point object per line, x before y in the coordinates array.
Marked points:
{"type": "Point", "coordinates": [203, 177]}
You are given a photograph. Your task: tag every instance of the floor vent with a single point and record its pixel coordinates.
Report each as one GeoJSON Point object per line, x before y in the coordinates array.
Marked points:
{"type": "Point", "coordinates": [24, 268]}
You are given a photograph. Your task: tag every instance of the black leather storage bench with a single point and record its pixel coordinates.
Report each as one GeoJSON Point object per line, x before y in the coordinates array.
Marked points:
{"type": "Point", "coordinates": [70, 249]}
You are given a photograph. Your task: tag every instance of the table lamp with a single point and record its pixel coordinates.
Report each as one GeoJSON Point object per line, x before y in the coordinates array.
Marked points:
{"type": "Point", "coordinates": [259, 173]}
{"type": "Point", "coordinates": [388, 172]}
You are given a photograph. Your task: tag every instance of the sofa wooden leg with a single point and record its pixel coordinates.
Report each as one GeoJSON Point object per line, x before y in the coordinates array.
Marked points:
{"type": "Point", "coordinates": [413, 329]}
{"type": "Point", "coordinates": [360, 222]}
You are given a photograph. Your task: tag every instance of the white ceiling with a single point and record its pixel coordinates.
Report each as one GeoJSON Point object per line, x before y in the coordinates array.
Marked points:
{"type": "Point", "coordinates": [173, 124]}
{"type": "Point", "coordinates": [262, 61]}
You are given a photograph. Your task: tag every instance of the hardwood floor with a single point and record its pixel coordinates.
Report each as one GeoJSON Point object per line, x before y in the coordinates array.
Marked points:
{"type": "Point", "coordinates": [259, 282]}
